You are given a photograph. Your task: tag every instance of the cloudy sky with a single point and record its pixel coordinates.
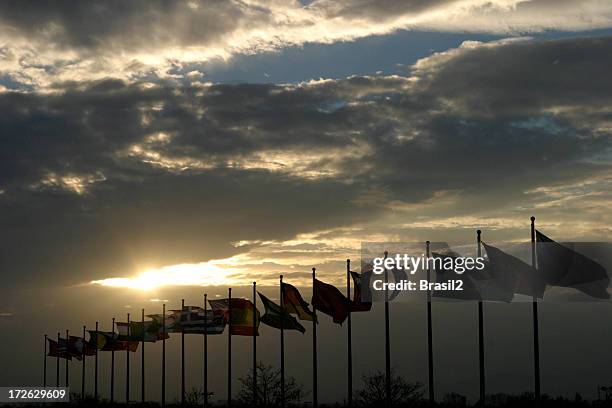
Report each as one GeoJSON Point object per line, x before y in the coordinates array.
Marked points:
{"type": "Point", "coordinates": [150, 144]}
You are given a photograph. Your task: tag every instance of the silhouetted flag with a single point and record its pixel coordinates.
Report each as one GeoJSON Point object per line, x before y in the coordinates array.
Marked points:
{"type": "Point", "coordinates": [195, 320]}
{"type": "Point", "coordinates": [109, 341]}
{"type": "Point", "coordinates": [170, 321]}
{"type": "Point", "coordinates": [294, 303]}
{"type": "Point", "coordinates": [360, 280]}
{"type": "Point", "coordinates": [329, 300]}
{"type": "Point", "coordinates": [149, 331]}
{"type": "Point", "coordinates": [509, 273]}
{"type": "Point", "coordinates": [274, 313]}
{"type": "Point", "coordinates": [80, 346]}
{"type": "Point", "coordinates": [469, 290]}
{"type": "Point", "coordinates": [242, 315]}
{"type": "Point", "coordinates": [55, 350]}
{"type": "Point", "coordinates": [561, 266]}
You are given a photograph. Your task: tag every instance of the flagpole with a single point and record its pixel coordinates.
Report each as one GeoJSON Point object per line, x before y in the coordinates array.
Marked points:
{"type": "Point", "coordinates": [536, 337]}
{"type": "Point", "coordinates": [349, 342]}
{"type": "Point", "coordinates": [387, 342]}
{"type": "Point", "coordinates": [96, 367]}
{"type": "Point", "coordinates": [142, 361]}
{"type": "Point", "coordinates": [315, 400]}
{"type": "Point", "coordinates": [430, 362]}
{"type": "Point", "coordinates": [229, 350]}
{"type": "Point", "coordinates": [127, 363]}
{"type": "Point", "coordinates": [112, 383]}
{"type": "Point", "coordinates": [255, 343]}
{"type": "Point", "coordinates": [282, 346]}
{"type": "Point", "coordinates": [205, 350]}
{"type": "Point", "coordinates": [182, 355]}
{"type": "Point", "coordinates": [67, 373]}
{"type": "Point", "coordinates": [45, 364]}
{"type": "Point", "coordinates": [481, 353]}
{"type": "Point", "coordinates": [163, 390]}
{"type": "Point", "coordinates": [57, 370]}
{"type": "Point", "coordinates": [83, 367]}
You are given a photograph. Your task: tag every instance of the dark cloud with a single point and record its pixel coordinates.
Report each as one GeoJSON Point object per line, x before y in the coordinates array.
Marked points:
{"type": "Point", "coordinates": [116, 25]}
{"type": "Point", "coordinates": [98, 176]}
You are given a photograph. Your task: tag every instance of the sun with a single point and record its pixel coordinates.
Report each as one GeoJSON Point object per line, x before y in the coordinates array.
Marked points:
{"type": "Point", "coordinates": [200, 274]}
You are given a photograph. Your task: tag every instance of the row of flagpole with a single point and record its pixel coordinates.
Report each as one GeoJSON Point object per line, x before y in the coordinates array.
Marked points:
{"type": "Point", "coordinates": [431, 382]}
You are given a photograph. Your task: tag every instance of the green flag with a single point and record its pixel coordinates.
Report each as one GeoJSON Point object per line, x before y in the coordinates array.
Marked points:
{"type": "Point", "coordinates": [275, 315]}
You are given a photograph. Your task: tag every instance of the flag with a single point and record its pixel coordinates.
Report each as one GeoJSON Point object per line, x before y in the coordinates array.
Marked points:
{"type": "Point", "coordinates": [80, 346]}
{"type": "Point", "coordinates": [196, 320]}
{"type": "Point", "coordinates": [149, 331]}
{"type": "Point", "coordinates": [97, 339]}
{"type": "Point", "coordinates": [109, 341]}
{"type": "Point", "coordinates": [242, 315]}
{"type": "Point", "coordinates": [329, 300]}
{"type": "Point", "coordinates": [469, 290]}
{"type": "Point", "coordinates": [275, 315]}
{"type": "Point", "coordinates": [512, 274]}
{"type": "Point", "coordinates": [561, 266]}
{"type": "Point", "coordinates": [360, 281]}
{"type": "Point", "coordinates": [294, 303]}
{"type": "Point", "coordinates": [169, 321]}
{"type": "Point", "coordinates": [55, 350]}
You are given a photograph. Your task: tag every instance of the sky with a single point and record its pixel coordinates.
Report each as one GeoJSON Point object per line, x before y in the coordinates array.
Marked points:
{"type": "Point", "coordinates": [154, 150]}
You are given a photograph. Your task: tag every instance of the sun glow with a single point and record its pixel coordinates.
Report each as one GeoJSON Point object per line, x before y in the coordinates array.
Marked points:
{"type": "Point", "coordinates": [201, 274]}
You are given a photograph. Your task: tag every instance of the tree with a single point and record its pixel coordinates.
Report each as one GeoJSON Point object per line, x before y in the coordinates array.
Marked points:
{"type": "Point", "coordinates": [403, 393]}
{"type": "Point", "coordinates": [268, 388]}
{"type": "Point", "coordinates": [195, 396]}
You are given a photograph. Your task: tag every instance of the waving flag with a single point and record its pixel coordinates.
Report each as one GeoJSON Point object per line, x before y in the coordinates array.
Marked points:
{"type": "Point", "coordinates": [360, 280]}
{"type": "Point", "coordinates": [512, 275]}
{"type": "Point", "coordinates": [195, 320]}
{"type": "Point", "coordinates": [109, 341]}
{"type": "Point", "coordinates": [294, 303]}
{"type": "Point", "coordinates": [276, 317]}
{"type": "Point", "coordinates": [561, 266]}
{"type": "Point", "coordinates": [169, 321]}
{"type": "Point", "coordinates": [148, 331]}
{"type": "Point", "coordinates": [241, 315]}
{"type": "Point", "coordinates": [55, 350]}
{"type": "Point", "coordinates": [329, 300]}
{"type": "Point", "coordinates": [80, 346]}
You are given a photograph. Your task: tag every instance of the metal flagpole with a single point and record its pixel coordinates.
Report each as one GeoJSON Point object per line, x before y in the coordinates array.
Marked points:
{"type": "Point", "coordinates": [67, 373]}
{"type": "Point", "coordinates": [481, 353]}
{"type": "Point", "coordinates": [57, 370]}
{"type": "Point", "coordinates": [536, 337]}
{"type": "Point", "coordinates": [387, 342]}
{"type": "Point", "coordinates": [112, 382]}
{"type": "Point", "coordinates": [182, 355]}
{"type": "Point", "coordinates": [255, 343]}
{"type": "Point", "coordinates": [127, 363]}
{"type": "Point", "coordinates": [206, 350]}
{"type": "Point", "coordinates": [45, 364]}
{"type": "Point", "coordinates": [430, 363]}
{"type": "Point", "coordinates": [142, 361]}
{"type": "Point", "coordinates": [83, 367]}
{"type": "Point", "coordinates": [282, 346]}
{"type": "Point", "coordinates": [229, 349]}
{"type": "Point", "coordinates": [349, 340]}
{"type": "Point", "coordinates": [163, 390]}
{"type": "Point", "coordinates": [96, 367]}
{"type": "Point", "coordinates": [315, 400]}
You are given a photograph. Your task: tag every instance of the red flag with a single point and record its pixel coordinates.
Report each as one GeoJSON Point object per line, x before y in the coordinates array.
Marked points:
{"type": "Point", "coordinates": [329, 300]}
{"type": "Point", "coordinates": [242, 315]}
